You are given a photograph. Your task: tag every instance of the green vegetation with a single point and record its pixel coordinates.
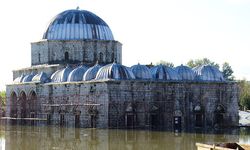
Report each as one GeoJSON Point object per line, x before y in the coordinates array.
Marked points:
{"type": "Point", "coordinates": [198, 62]}
{"type": "Point", "coordinates": [226, 69]}
{"type": "Point", "coordinates": [227, 72]}
{"type": "Point", "coordinates": [244, 102]}
{"type": "Point", "coordinates": [2, 100]}
{"type": "Point", "coordinates": [162, 62]}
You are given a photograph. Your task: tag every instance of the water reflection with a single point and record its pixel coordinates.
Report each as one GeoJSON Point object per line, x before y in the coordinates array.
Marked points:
{"type": "Point", "coordinates": [31, 137]}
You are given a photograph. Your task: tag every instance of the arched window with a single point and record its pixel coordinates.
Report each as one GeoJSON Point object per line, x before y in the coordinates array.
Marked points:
{"type": "Point", "coordinates": [66, 56]}
{"type": "Point", "coordinates": [101, 57]}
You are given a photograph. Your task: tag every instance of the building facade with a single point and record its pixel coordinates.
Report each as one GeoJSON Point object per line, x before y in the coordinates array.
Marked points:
{"type": "Point", "coordinates": [77, 79]}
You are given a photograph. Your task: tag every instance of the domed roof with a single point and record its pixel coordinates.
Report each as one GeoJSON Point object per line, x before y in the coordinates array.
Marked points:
{"type": "Point", "coordinates": [28, 78]}
{"type": "Point", "coordinates": [163, 72]}
{"type": "Point", "coordinates": [19, 79]}
{"type": "Point", "coordinates": [77, 74]}
{"type": "Point", "coordinates": [185, 72]}
{"type": "Point", "coordinates": [61, 75]}
{"type": "Point", "coordinates": [91, 72]}
{"type": "Point", "coordinates": [77, 25]}
{"type": "Point", "coordinates": [114, 71]}
{"type": "Point", "coordinates": [208, 73]}
{"type": "Point", "coordinates": [41, 77]}
{"type": "Point", "coordinates": [141, 72]}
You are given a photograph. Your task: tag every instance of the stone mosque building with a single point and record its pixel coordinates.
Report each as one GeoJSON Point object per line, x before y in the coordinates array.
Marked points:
{"type": "Point", "coordinates": [77, 79]}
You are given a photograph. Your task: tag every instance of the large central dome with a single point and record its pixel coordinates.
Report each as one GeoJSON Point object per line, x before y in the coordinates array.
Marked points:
{"type": "Point", "coordinates": [77, 25]}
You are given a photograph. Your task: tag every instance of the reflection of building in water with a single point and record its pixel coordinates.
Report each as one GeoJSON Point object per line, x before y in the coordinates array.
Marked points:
{"type": "Point", "coordinates": [45, 138]}
{"type": "Point", "coordinates": [65, 85]}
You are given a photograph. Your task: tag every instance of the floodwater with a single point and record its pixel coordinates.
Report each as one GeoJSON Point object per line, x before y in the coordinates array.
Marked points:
{"type": "Point", "coordinates": [59, 138]}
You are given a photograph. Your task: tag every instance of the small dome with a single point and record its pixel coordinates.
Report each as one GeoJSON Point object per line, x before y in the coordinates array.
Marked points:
{"type": "Point", "coordinates": [77, 73]}
{"type": "Point", "coordinates": [91, 72]}
{"type": "Point", "coordinates": [77, 25]}
{"type": "Point", "coordinates": [162, 72]}
{"type": "Point", "coordinates": [61, 75]}
{"type": "Point", "coordinates": [208, 73]}
{"type": "Point", "coordinates": [19, 79]}
{"type": "Point", "coordinates": [114, 71]}
{"type": "Point", "coordinates": [41, 77]}
{"type": "Point", "coordinates": [28, 78]}
{"type": "Point", "coordinates": [185, 73]}
{"type": "Point", "coordinates": [141, 72]}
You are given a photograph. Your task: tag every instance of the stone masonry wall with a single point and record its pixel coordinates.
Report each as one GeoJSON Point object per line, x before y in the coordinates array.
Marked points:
{"type": "Point", "coordinates": [132, 103]}
{"type": "Point", "coordinates": [85, 51]}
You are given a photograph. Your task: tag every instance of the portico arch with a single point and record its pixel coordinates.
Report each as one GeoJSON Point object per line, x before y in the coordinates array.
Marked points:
{"type": "Point", "coordinates": [23, 103]}
{"type": "Point", "coordinates": [32, 104]}
{"type": "Point", "coordinates": [13, 105]}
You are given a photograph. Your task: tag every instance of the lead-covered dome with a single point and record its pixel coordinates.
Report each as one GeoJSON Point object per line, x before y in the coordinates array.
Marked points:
{"type": "Point", "coordinates": [41, 77]}
{"type": "Point", "coordinates": [77, 25]}
{"type": "Point", "coordinates": [141, 72]}
{"type": "Point", "coordinates": [77, 73]}
{"type": "Point", "coordinates": [61, 75]}
{"type": "Point", "coordinates": [115, 71]}
{"type": "Point", "coordinates": [162, 72]}
{"type": "Point", "coordinates": [28, 78]}
{"type": "Point", "coordinates": [19, 79]}
{"type": "Point", "coordinates": [185, 73]}
{"type": "Point", "coordinates": [208, 73]}
{"type": "Point", "coordinates": [90, 74]}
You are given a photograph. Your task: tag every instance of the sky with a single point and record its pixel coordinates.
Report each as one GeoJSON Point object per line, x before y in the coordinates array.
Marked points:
{"type": "Point", "coordinates": [150, 30]}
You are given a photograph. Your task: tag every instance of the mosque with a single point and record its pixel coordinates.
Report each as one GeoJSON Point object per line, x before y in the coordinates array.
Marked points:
{"type": "Point", "coordinates": [77, 79]}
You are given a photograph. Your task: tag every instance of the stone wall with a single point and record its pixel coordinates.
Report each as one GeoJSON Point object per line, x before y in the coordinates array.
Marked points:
{"type": "Point", "coordinates": [75, 52]}
{"type": "Point", "coordinates": [131, 104]}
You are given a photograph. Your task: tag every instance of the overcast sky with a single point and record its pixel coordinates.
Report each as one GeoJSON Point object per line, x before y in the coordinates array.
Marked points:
{"type": "Point", "coordinates": [150, 30]}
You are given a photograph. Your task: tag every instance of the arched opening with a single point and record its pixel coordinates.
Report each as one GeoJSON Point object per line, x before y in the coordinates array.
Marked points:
{"type": "Point", "coordinates": [48, 119]}
{"type": "Point", "coordinates": [39, 57]}
{"type": "Point", "coordinates": [130, 116]}
{"type": "Point", "coordinates": [92, 111]}
{"type": "Point", "coordinates": [113, 57]}
{"type": "Point", "coordinates": [198, 116]}
{"type": "Point", "coordinates": [32, 104]}
{"type": "Point", "coordinates": [66, 56]}
{"type": "Point", "coordinates": [62, 119]}
{"type": "Point", "coordinates": [177, 123]}
{"type": "Point", "coordinates": [100, 58]}
{"type": "Point", "coordinates": [77, 119]}
{"type": "Point", "coordinates": [219, 115]}
{"type": "Point", "coordinates": [23, 102]}
{"type": "Point", "coordinates": [13, 105]}
{"type": "Point", "coordinates": [154, 116]}
{"type": "Point", "coordinates": [198, 119]}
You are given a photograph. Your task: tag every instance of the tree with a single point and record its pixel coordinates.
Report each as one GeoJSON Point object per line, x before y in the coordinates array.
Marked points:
{"type": "Point", "coordinates": [198, 62]}
{"type": "Point", "coordinates": [244, 102]}
{"type": "Point", "coordinates": [3, 100]}
{"type": "Point", "coordinates": [227, 71]}
{"type": "Point", "coordinates": [169, 64]}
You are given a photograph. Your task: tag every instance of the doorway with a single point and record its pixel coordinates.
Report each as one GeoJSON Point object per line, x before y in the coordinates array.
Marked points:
{"type": "Point", "coordinates": [198, 120]}
{"type": "Point", "coordinates": [77, 121]}
{"type": "Point", "coordinates": [177, 123]}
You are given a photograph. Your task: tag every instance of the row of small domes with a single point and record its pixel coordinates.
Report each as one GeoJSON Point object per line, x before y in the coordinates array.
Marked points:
{"type": "Point", "coordinates": [120, 72]}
